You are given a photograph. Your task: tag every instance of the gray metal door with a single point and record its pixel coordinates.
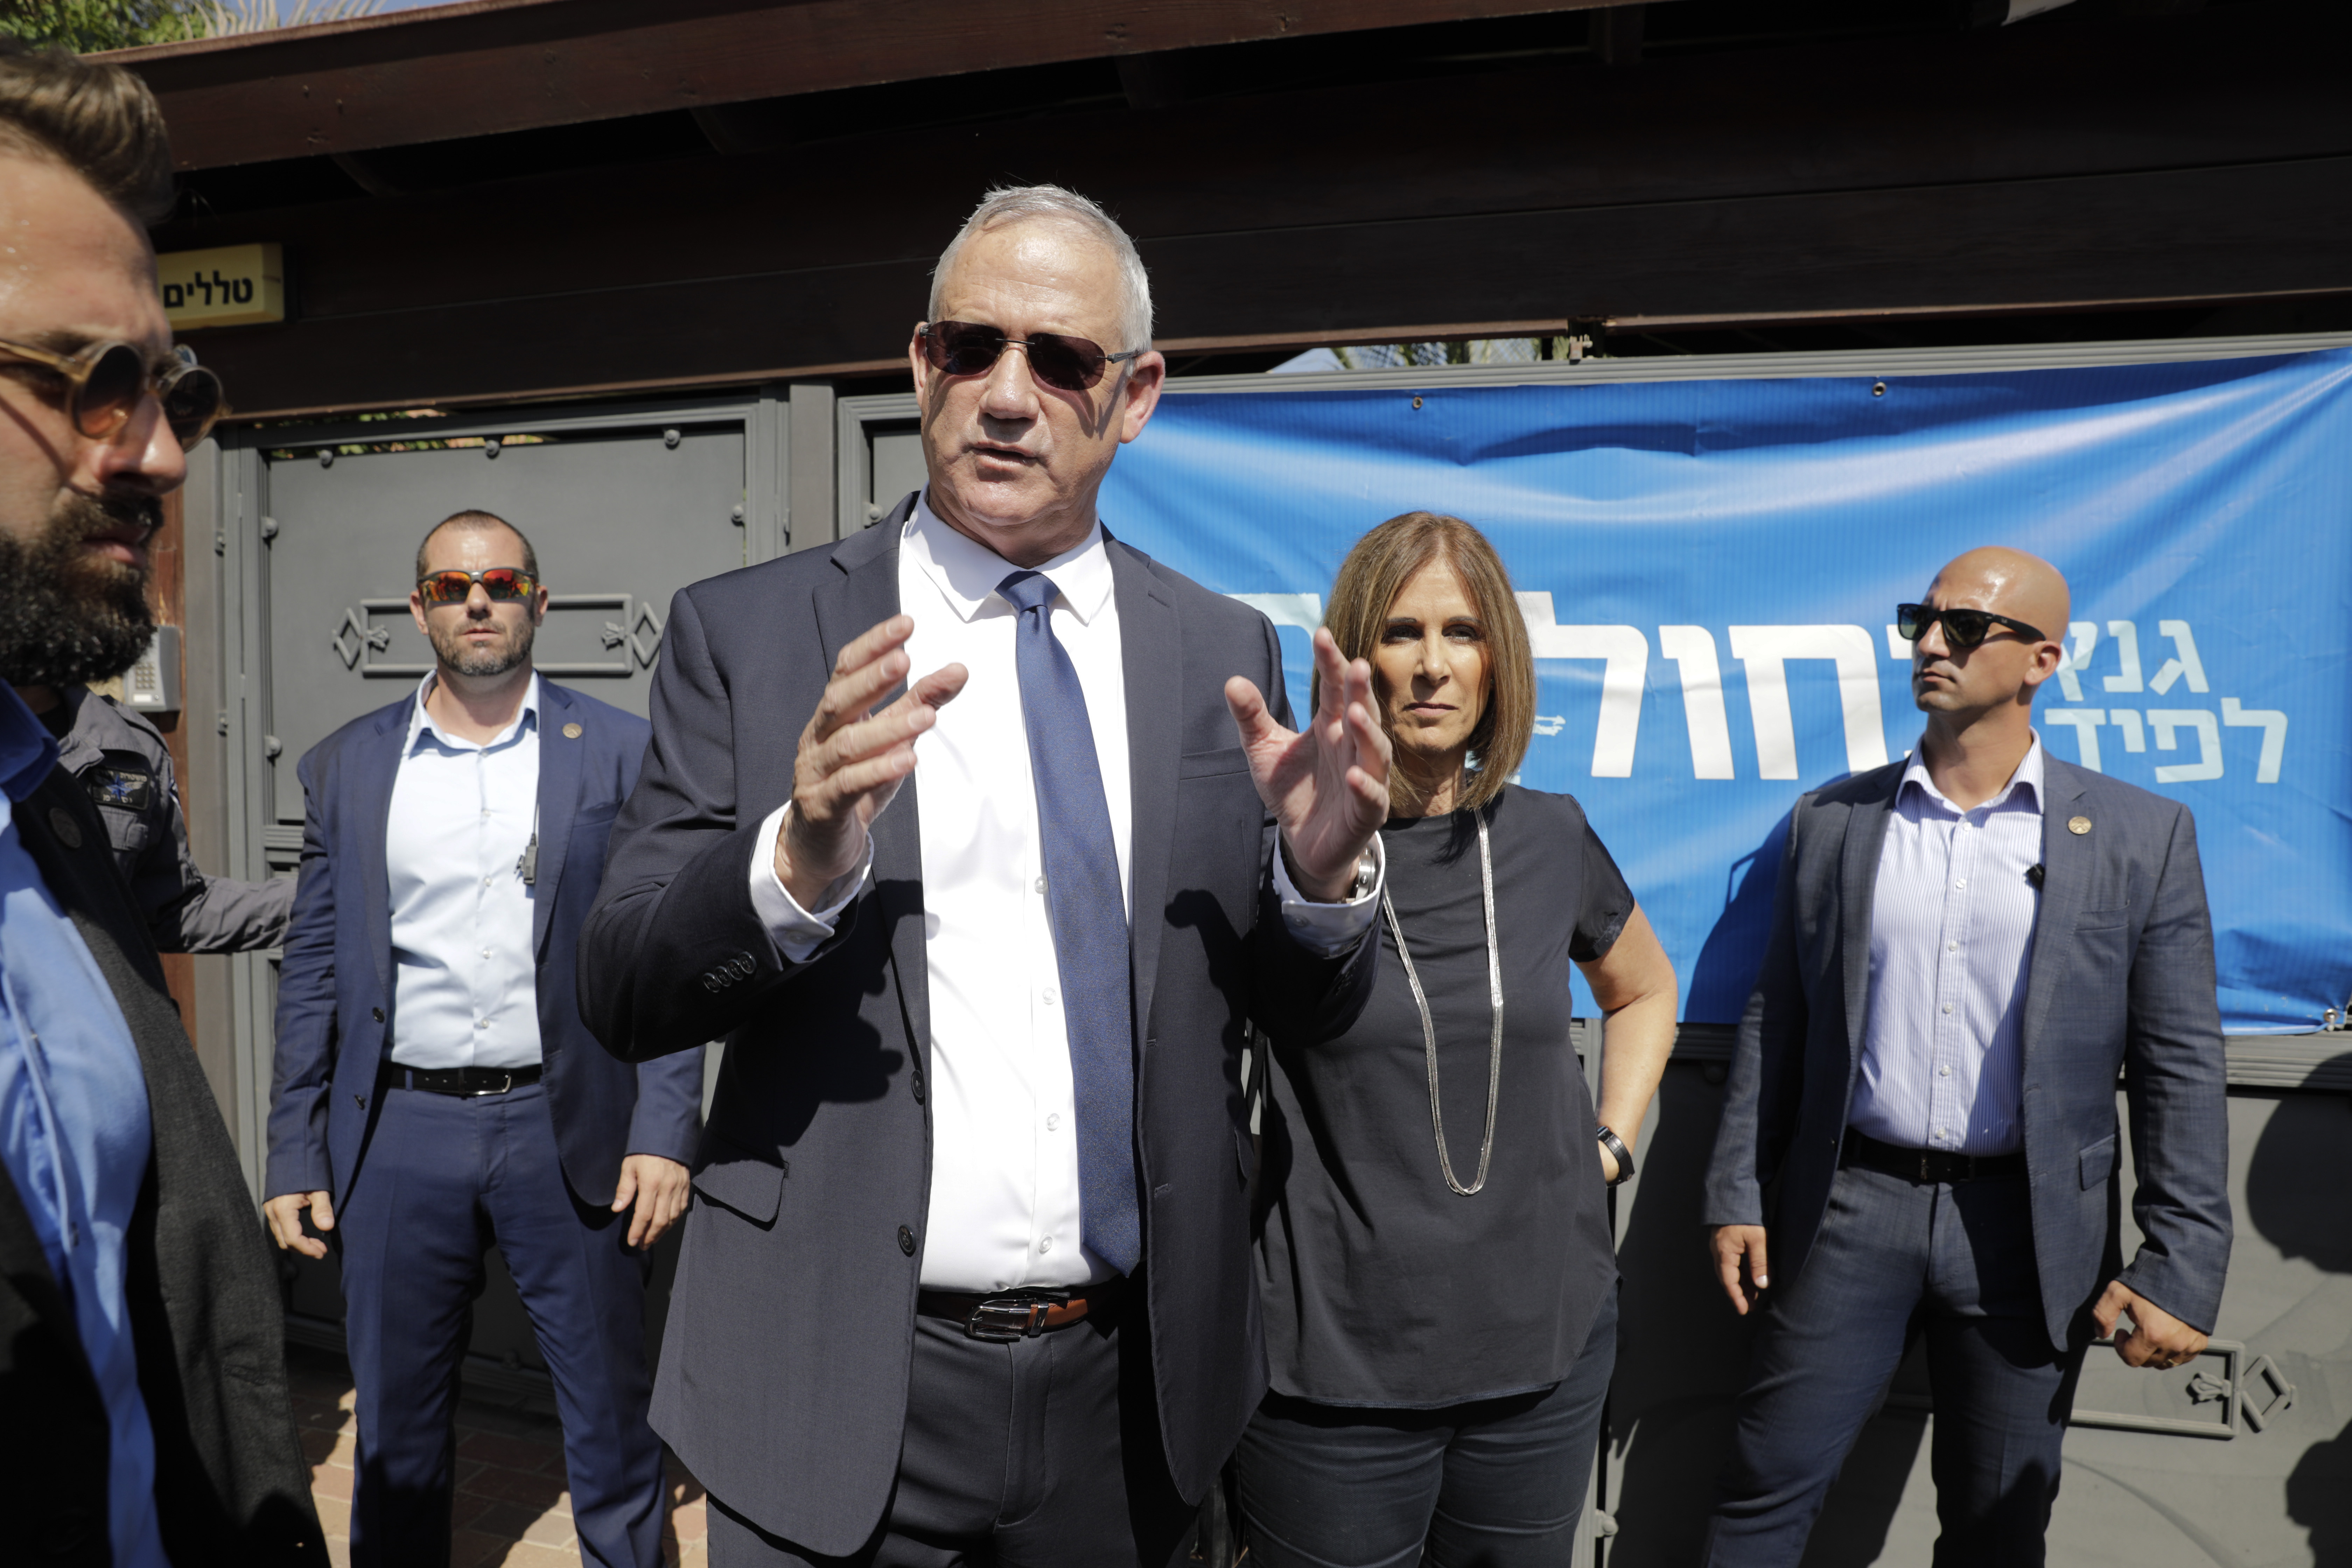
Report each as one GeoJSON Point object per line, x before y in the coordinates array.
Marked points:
{"type": "Point", "coordinates": [623, 507]}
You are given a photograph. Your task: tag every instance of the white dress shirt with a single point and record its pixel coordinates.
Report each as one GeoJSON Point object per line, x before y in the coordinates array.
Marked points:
{"type": "Point", "coordinates": [1951, 946]}
{"type": "Point", "coordinates": [1004, 1210]}
{"type": "Point", "coordinates": [465, 988]}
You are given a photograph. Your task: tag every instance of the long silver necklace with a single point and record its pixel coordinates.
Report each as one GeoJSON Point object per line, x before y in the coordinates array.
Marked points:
{"type": "Point", "coordinates": [1429, 1028]}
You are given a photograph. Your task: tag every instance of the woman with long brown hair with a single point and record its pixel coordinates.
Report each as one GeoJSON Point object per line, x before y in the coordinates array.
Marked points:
{"type": "Point", "coordinates": [1435, 1253]}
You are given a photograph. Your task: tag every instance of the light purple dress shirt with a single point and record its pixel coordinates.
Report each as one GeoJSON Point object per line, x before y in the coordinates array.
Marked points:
{"type": "Point", "coordinates": [1951, 945]}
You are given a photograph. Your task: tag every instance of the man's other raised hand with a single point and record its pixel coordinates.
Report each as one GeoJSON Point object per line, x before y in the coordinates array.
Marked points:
{"type": "Point", "coordinates": [853, 759]}
{"type": "Point", "coordinates": [1327, 785]}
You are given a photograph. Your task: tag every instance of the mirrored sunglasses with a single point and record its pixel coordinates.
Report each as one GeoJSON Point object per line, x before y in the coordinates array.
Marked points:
{"type": "Point", "coordinates": [1055, 359]}
{"type": "Point", "coordinates": [455, 588]}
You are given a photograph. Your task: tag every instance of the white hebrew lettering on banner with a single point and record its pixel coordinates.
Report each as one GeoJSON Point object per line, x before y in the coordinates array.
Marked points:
{"type": "Point", "coordinates": [2086, 722]}
{"type": "Point", "coordinates": [2169, 721]}
{"type": "Point", "coordinates": [2187, 662]}
{"type": "Point", "coordinates": [2184, 669]}
{"type": "Point", "coordinates": [2086, 641]}
{"type": "Point", "coordinates": [2126, 637]}
{"type": "Point", "coordinates": [2272, 723]}
{"type": "Point", "coordinates": [1626, 656]}
{"type": "Point", "coordinates": [1765, 650]}
{"type": "Point", "coordinates": [1692, 650]}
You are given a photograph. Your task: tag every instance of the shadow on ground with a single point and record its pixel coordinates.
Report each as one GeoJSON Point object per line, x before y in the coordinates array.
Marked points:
{"type": "Point", "coordinates": [511, 1506]}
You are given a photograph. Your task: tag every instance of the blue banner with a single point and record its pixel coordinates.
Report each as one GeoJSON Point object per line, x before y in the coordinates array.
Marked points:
{"type": "Point", "coordinates": [1710, 569]}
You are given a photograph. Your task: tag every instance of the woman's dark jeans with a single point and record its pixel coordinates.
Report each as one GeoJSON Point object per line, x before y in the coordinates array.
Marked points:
{"type": "Point", "coordinates": [1494, 1483]}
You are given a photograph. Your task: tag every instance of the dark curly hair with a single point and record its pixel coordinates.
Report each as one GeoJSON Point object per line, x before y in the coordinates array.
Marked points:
{"type": "Point", "coordinates": [99, 120]}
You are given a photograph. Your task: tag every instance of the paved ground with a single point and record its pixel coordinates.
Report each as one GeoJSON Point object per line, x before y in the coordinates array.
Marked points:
{"type": "Point", "coordinates": [512, 1505]}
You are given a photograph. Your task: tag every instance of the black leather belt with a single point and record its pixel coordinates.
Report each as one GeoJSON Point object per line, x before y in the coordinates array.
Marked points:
{"type": "Point", "coordinates": [467, 1081]}
{"type": "Point", "coordinates": [1923, 1166]}
{"type": "Point", "coordinates": [1017, 1314]}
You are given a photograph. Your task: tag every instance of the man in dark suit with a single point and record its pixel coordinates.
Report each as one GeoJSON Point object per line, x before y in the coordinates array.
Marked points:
{"type": "Point", "coordinates": [1967, 948]}
{"type": "Point", "coordinates": [436, 1092]}
{"type": "Point", "coordinates": [967, 1273]}
{"type": "Point", "coordinates": [143, 1414]}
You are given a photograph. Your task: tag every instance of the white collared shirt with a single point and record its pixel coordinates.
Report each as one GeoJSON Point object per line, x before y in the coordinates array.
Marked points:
{"type": "Point", "coordinates": [1951, 949]}
{"type": "Point", "coordinates": [1004, 1208]}
{"type": "Point", "coordinates": [465, 988]}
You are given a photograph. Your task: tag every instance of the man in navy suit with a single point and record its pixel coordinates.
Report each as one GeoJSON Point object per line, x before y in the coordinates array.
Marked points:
{"type": "Point", "coordinates": [435, 1091]}
{"type": "Point", "coordinates": [967, 1277]}
{"type": "Point", "coordinates": [1967, 948]}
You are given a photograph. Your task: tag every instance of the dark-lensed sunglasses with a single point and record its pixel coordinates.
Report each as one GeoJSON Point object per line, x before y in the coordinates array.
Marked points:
{"type": "Point", "coordinates": [105, 382]}
{"type": "Point", "coordinates": [967, 348]}
{"type": "Point", "coordinates": [1962, 628]}
{"type": "Point", "coordinates": [455, 588]}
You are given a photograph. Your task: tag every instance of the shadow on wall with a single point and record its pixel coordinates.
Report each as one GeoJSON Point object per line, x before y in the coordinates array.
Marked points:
{"type": "Point", "coordinates": [1725, 970]}
{"type": "Point", "coordinates": [2296, 1187]}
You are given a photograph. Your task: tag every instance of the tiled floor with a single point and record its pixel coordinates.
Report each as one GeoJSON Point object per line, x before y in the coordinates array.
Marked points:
{"type": "Point", "coordinates": [512, 1506]}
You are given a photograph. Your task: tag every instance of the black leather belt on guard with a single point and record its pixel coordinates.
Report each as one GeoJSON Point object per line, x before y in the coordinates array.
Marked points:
{"type": "Point", "coordinates": [467, 1082]}
{"type": "Point", "coordinates": [1011, 1315]}
{"type": "Point", "coordinates": [1923, 1166]}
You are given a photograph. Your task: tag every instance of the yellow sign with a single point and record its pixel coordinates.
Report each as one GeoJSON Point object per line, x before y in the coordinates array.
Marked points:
{"type": "Point", "coordinates": [227, 286]}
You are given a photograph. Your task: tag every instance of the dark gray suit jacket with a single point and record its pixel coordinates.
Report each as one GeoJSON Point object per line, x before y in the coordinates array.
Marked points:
{"type": "Point", "coordinates": [2121, 980]}
{"type": "Point", "coordinates": [784, 1366]}
{"type": "Point", "coordinates": [230, 1483]}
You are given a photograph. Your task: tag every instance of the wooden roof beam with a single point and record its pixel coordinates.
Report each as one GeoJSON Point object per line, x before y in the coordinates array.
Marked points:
{"type": "Point", "coordinates": [498, 66]}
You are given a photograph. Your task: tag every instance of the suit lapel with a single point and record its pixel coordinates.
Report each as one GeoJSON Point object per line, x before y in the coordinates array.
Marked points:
{"type": "Point", "coordinates": [1152, 650]}
{"type": "Point", "coordinates": [561, 756]}
{"type": "Point", "coordinates": [847, 606]}
{"type": "Point", "coordinates": [2066, 861]}
{"type": "Point", "coordinates": [1866, 838]}
{"type": "Point", "coordinates": [376, 768]}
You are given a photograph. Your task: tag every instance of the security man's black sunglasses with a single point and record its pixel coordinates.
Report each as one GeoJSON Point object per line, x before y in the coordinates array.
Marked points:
{"type": "Point", "coordinates": [1962, 628]}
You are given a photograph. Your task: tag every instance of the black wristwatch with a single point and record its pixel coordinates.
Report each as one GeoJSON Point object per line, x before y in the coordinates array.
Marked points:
{"type": "Point", "coordinates": [1617, 1152]}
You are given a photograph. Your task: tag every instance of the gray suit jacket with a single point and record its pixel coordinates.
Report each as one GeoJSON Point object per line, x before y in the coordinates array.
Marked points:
{"type": "Point", "coordinates": [785, 1364]}
{"type": "Point", "coordinates": [2122, 979]}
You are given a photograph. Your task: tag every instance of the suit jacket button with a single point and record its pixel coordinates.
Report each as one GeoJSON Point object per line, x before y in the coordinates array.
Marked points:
{"type": "Point", "coordinates": [906, 1241]}
{"type": "Point", "coordinates": [377, 1013]}
{"type": "Point", "coordinates": [916, 1085]}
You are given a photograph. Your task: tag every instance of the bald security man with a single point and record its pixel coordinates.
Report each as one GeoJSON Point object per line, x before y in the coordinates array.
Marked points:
{"type": "Point", "coordinates": [1920, 1129]}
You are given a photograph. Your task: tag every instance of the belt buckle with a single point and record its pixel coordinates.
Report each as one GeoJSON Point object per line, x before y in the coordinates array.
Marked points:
{"type": "Point", "coordinates": [1925, 1165]}
{"type": "Point", "coordinates": [507, 1074]}
{"type": "Point", "coordinates": [1000, 1321]}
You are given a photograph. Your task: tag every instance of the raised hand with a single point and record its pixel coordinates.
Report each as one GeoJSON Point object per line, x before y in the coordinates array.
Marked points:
{"type": "Point", "coordinates": [1327, 785]}
{"type": "Point", "coordinates": [852, 760]}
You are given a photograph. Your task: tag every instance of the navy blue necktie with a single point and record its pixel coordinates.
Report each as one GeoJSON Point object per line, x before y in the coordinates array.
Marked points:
{"type": "Point", "coordinates": [1089, 919]}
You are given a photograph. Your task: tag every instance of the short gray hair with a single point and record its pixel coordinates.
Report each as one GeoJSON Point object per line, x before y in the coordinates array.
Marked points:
{"type": "Point", "coordinates": [1027, 204]}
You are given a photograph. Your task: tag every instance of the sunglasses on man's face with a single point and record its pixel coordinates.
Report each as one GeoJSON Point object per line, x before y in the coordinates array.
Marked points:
{"type": "Point", "coordinates": [105, 382]}
{"type": "Point", "coordinates": [455, 588]}
{"type": "Point", "coordinates": [1056, 359]}
{"type": "Point", "coordinates": [1962, 628]}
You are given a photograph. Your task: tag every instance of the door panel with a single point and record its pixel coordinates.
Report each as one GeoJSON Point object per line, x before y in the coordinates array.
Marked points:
{"type": "Point", "coordinates": [620, 520]}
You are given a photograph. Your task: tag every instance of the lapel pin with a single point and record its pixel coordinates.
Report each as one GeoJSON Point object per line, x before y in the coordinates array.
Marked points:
{"type": "Point", "coordinates": [67, 830]}
{"type": "Point", "coordinates": [2078, 826]}
{"type": "Point", "coordinates": [572, 732]}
